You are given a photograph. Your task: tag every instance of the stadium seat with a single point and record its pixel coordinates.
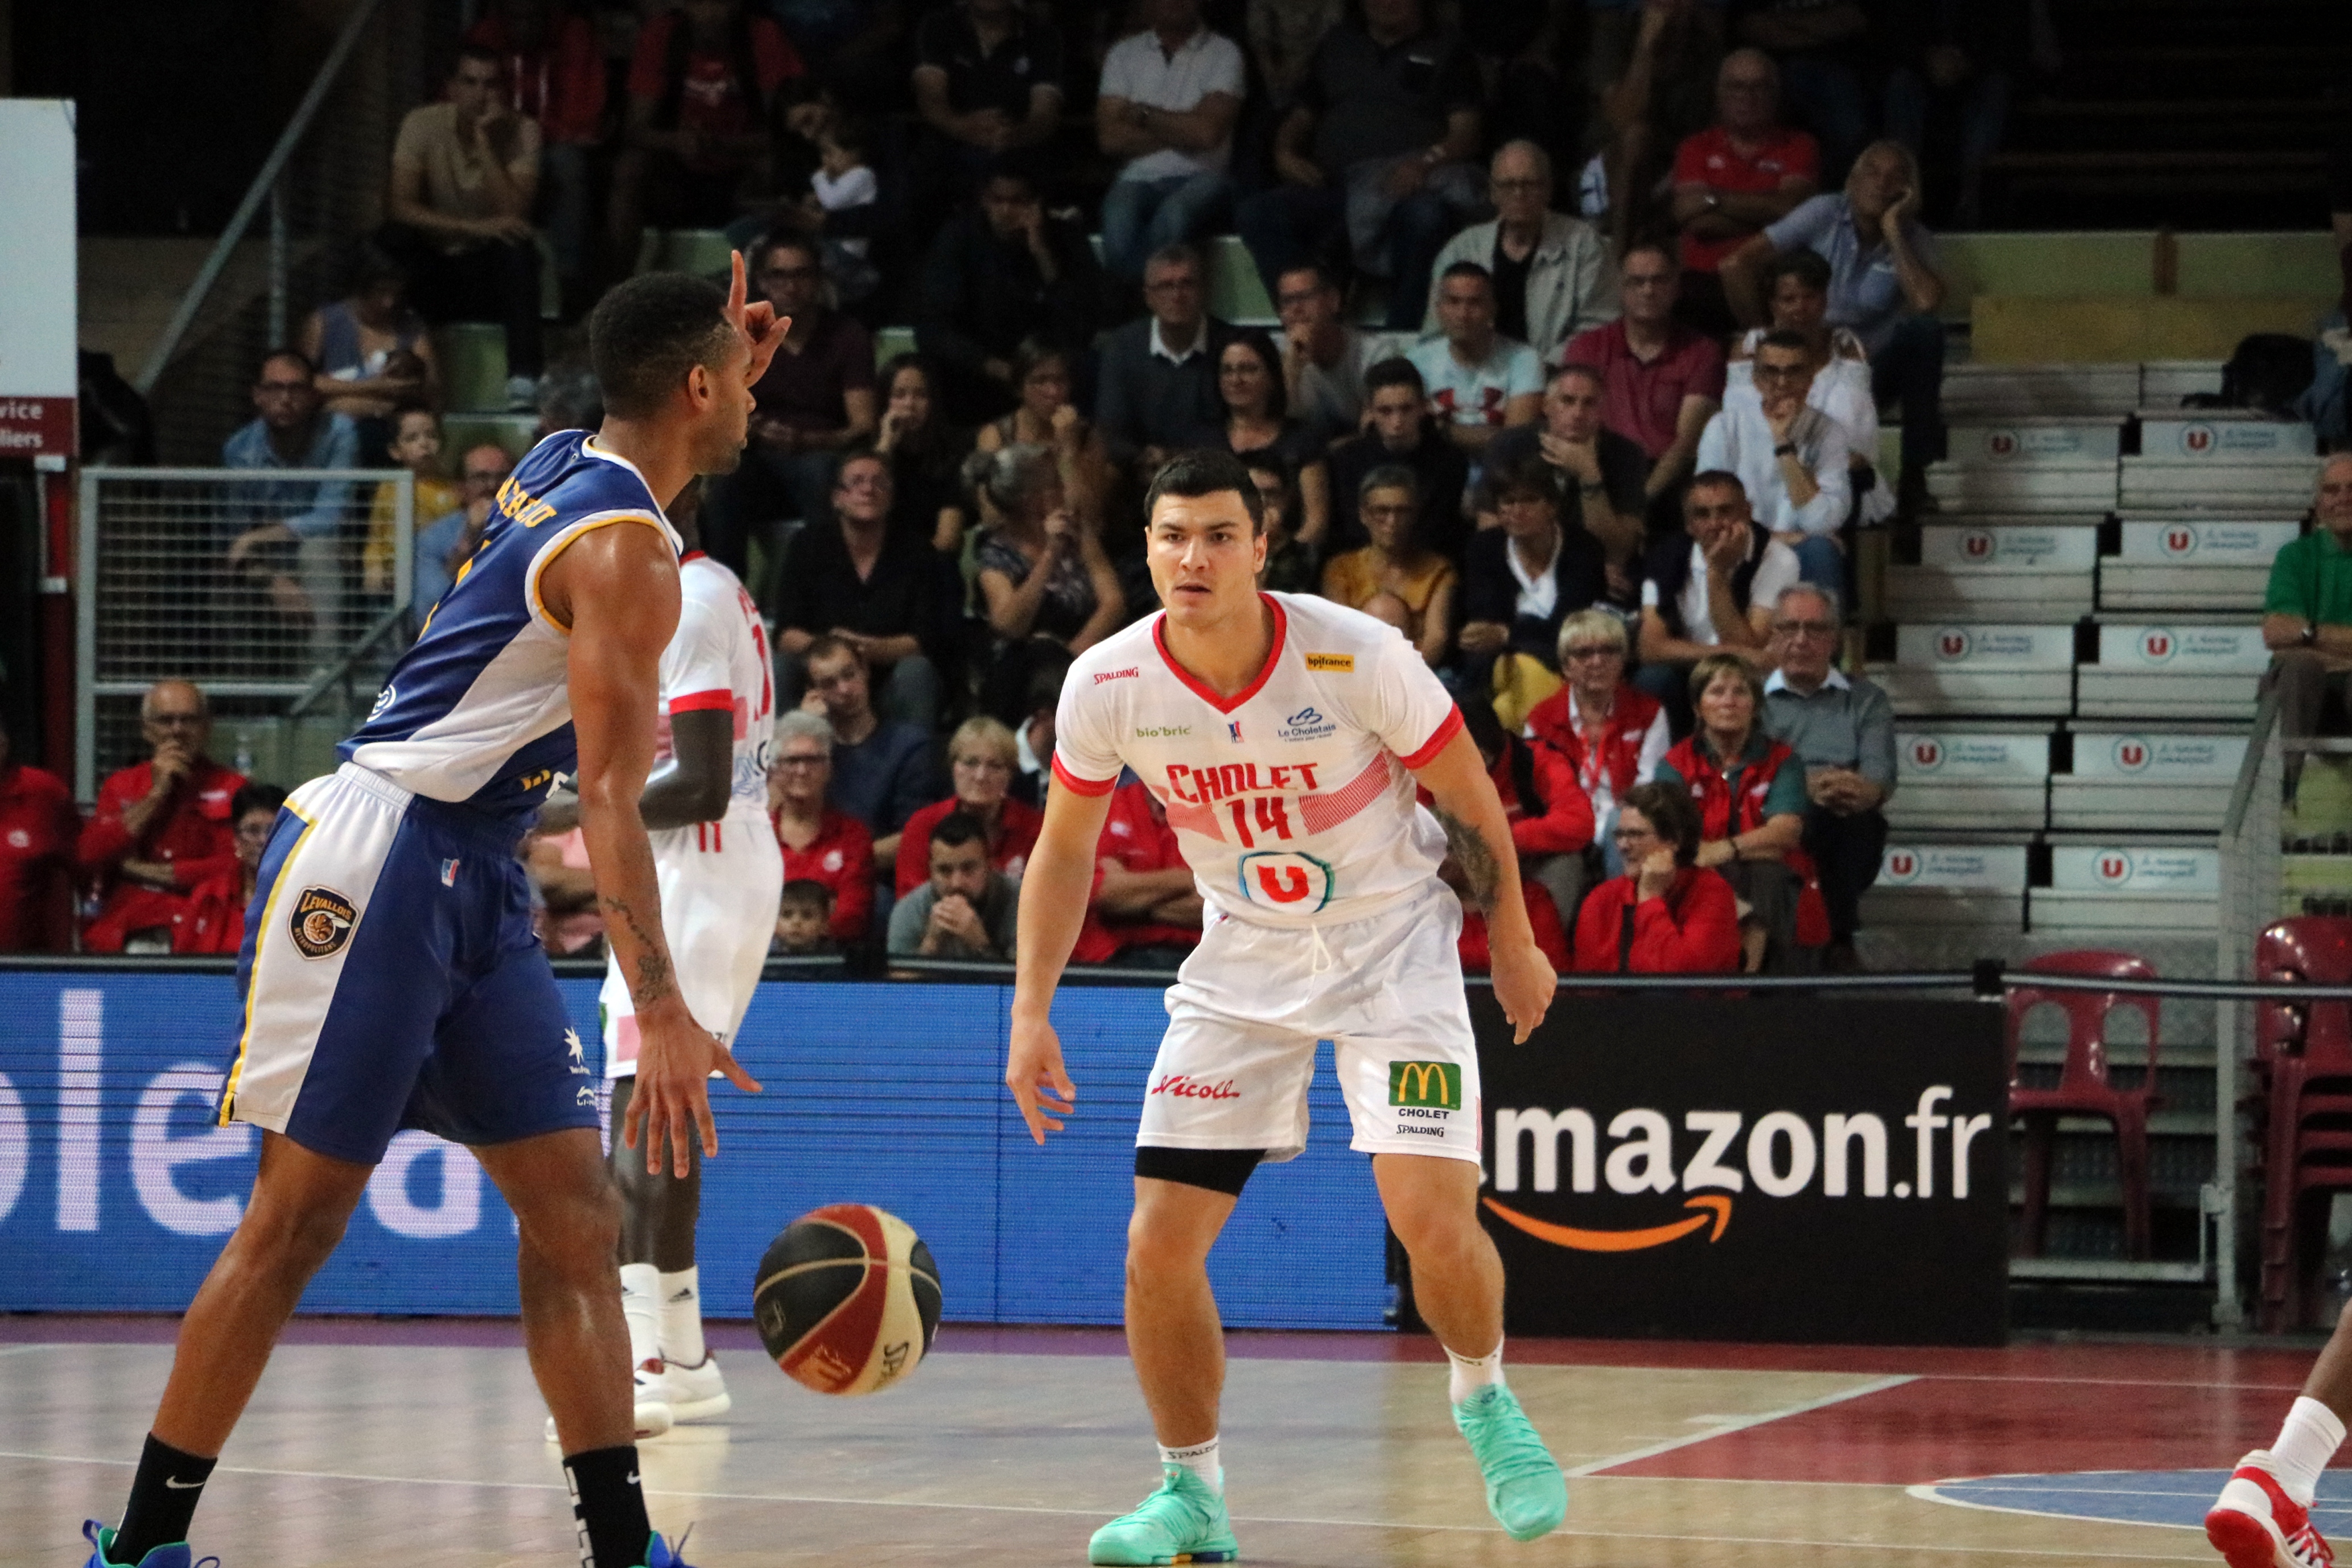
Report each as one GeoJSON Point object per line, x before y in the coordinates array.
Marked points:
{"type": "Point", "coordinates": [2221, 562]}
{"type": "Point", "coordinates": [704, 251]}
{"type": "Point", "coordinates": [2220, 460]}
{"type": "Point", "coordinates": [1978, 669]}
{"type": "Point", "coordinates": [2304, 1056]}
{"type": "Point", "coordinates": [2182, 668]}
{"type": "Point", "coordinates": [473, 357]}
{"type": "Point", "coordinates": [2085, 1086]}
{"type": "Point", "coordinates": [2128, 887]}
{"type": "Point", "coordinates": [2033, 463]}
{"type": "Point", "coordinates": [1961, 776]}
{"type": "Point", "coordinates": [2121, 778]}
{"type": "Point", "coordinates": [515, 432]}
{"type": "Point", "coordinates": [1981, 392]}
{"type": "Point", "coordinates": [1950, 885]}
{"type": "Point", "coordinates": [1998, 567]}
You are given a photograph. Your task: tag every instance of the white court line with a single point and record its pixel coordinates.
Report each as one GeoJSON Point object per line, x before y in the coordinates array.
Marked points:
{"type": "Point", "coordinates": [1926, 1493]}
{"type": "Point", "coordinates": [21, 1349]}
{"type": "Point", "coordinates": [1875, 1546]}
{"type": "Point", "coordinates": [1877, 1385]}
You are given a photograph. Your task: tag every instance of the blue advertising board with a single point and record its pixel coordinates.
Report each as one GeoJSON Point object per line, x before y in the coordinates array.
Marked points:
{"type": "Point", "coordinates": [116, 1188]}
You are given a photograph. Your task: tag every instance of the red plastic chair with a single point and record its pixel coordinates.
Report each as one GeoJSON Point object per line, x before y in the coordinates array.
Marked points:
{"type": "Point", "coordinates": [2083, 1087]}
{"type": "Point", "coordinates": [2305, 1053]}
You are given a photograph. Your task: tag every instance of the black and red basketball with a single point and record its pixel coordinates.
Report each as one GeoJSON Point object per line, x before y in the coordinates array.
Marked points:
{"type": "Point", "coordinates": [847, 1299]}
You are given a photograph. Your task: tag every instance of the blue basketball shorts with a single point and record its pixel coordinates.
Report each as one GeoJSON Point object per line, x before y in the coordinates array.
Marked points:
{"type": "Point", "coordinates": [392, 980]}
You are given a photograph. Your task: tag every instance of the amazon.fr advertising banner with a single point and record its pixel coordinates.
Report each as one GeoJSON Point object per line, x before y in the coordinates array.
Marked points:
{"type": "Point", "coordinates": [1753, 1168]}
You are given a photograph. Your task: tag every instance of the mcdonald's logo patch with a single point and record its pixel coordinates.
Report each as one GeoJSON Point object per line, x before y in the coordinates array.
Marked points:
{"type": "Point", "coordinates": [1434, 1083]}
{"type": "Point", "coordinates": [321, 922]}
{"type": "Point", "coordinates": [1337, 663]}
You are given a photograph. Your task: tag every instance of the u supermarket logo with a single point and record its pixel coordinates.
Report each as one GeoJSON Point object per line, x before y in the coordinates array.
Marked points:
{"type": "Point", "coordinates": [1980, 546]}
{"type": "Point", "coordinates": [1952, 643]}
{"type": "Point", "coordinates": [1902, 866]}
{"type": "Point", "coordinates": [2113, 867]}
{"type": "Point", "coordinates": [2196, 439]}
{"type": "Point", "coordinates": [2131, 754]}
{"type": "Point", "coordinates": [2181, 540]}
{"type": "Point", "coordinates": [2001, 443]}
{"type": "Point", "coordinates": [1926, 754]}
{"type": "Point", "coordinates": [1784, 1156]}
{"type": "Point", "coordinates": [2158, 645]}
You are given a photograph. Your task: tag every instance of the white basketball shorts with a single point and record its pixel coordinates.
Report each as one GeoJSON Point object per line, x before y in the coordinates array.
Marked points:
{"type": "Point", "coordinates": [720, 882]}
{"type": "Point", "coordinates": [1252, 1000]}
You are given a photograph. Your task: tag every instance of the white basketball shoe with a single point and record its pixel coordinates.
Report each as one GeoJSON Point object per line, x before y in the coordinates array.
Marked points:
{"type": "Point", "coordinates": [2255, 1524]}
{"type": "Point", "coordinates": [694, 1393]}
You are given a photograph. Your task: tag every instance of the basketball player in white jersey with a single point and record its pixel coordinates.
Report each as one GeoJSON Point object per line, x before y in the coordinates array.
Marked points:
{"type": "Point", "coordinates": [2262, 1517]}
{"type": "Point", "coordinates": [390, 975]}
{"type": "Point", "coordinates": [1285, 735]}
{"type": "Point", "coordinates": [723, 875]}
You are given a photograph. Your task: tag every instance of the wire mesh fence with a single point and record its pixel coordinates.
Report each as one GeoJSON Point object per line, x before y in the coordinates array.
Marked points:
{"type": "Point", "coordinates": [279, 592]}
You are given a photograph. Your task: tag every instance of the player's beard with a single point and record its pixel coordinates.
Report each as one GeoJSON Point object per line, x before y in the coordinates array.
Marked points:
{"type": "Point", "coordinates": [720, 454]}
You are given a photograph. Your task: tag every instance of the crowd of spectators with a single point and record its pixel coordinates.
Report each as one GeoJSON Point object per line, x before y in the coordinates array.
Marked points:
{"type": "Point", "coordinates": [1642, 283]}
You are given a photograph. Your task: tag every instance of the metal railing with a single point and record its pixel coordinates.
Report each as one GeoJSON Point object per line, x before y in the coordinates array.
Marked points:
{"type": "Point", "coordinates": [282, 592]}
{"type": "Point", "coordinates": [2250, 883]}
{"type": "Point", "coordinates": [322, 183]}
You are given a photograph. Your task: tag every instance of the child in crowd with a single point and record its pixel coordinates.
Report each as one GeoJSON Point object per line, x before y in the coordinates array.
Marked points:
{"type": "Point", "coordinates": [842, 207]}
{"type": "Point", "coordinates": [416, 447]}
{"type": "Point", "coordinates": [802, 918]}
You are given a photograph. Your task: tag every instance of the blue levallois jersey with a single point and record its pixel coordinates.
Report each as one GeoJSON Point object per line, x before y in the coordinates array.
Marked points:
{"type": "Point", "coordinates": [478, 713]}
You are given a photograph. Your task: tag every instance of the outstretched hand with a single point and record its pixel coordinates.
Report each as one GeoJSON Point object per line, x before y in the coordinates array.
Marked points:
{"type": "Point", "coordinates": [763, 330]}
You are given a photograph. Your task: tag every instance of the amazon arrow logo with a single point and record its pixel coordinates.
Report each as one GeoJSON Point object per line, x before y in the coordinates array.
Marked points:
{"type": "Point", "coordinates": [1582, 1240]}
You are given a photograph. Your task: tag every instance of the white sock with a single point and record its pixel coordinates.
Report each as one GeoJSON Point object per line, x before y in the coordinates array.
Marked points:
{"type": "Point", "coordinates": [2308, 1440]}
{"type": "Point", "coordinates": [1472, 1373]}
{"type": "Point", "coordinates": [640, 1300]}
{"type": "Point", "coordinates": [1201, 1459]}
{"type": "Point", "coordinates": [681, 1317]}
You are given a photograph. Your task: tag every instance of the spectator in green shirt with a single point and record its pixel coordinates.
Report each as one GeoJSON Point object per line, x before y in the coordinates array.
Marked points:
{"type": "Point", "coordinates": [2307, 618]}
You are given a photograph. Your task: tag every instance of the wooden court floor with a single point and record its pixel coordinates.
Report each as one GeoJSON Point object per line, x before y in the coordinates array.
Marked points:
{"type": "Point", "coordinates": [418, 1445]}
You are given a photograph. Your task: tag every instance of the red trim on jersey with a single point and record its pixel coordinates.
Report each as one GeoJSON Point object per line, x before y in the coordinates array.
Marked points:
{"type": "Point", "coordinates": [692, 554]}
{"type": "Point", "coordinates": [1077, 786]}
{"type": "Point", "coordinates": [1321, 813]}
{"type": "Point", "coordinates": [1429, 748]}
{"type": "Point", "coordinates": [1226, 705]}
{"type": "Point", "coordinates": [702, 702]}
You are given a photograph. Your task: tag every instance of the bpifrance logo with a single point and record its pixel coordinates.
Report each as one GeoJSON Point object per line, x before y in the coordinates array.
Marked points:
{"type": "Point", "coordinates": [1286, 880]}
{"type": "Point", "coordinates": [321, 922]}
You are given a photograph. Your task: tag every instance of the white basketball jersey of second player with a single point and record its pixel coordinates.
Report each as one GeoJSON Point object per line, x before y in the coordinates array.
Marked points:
{"type": "Point", "coordinates": [718, 658]}
{"type": "Point", "coordinates": [1292, 800]}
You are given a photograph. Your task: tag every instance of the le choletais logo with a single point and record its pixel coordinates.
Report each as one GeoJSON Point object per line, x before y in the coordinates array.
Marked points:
{"type": "Point", "coordinates": [1785, 1154]}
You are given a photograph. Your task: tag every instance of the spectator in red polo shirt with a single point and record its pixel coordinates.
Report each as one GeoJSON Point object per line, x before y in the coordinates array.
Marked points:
{"type": "Point", "coordinates": [982, 758]}
{"type": "Point", "coordinates": [1144, 895]}
{"type": "Point", "coordinates": [162, 826]}
{"type": "Point", "coordinates": [1742, 172]}
{"type": "Point", "coordinates": [214, 920]}
{"type": "Point", "coordinates": [38, 826]}
{"type": "Point", "coordinates": [700, 87]}
{"type": "Point", "coordinates": [554, 75]}
{"type": "Point", "coordinates": [820, 844]}
{"type": "Point", "coordinates": [1662, 382]}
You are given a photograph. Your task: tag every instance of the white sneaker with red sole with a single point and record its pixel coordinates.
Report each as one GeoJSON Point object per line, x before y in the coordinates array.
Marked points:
{"type": "Point", "coordinates": [2255, 1524]}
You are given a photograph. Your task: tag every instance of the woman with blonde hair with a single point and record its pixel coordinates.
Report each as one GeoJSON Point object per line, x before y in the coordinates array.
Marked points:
{"type": "Point", "coordinates": [983, 758]}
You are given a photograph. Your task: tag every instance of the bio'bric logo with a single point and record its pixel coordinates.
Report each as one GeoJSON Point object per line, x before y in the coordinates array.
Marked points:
{"type": "Point", "coordinates": [1784, 1151]}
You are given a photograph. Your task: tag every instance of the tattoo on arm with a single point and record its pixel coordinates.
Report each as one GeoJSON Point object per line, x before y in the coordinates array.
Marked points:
{"type": "Point", "coordinates": [1476, 858]}
{"type": "Point", "coordinates": [653, 981]}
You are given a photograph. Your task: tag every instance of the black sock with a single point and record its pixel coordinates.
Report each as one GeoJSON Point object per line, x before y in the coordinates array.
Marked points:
{"type": "Point", "coordinates": [610, 1507]}
{"type": "Point", "coordinates": [162, 1499]}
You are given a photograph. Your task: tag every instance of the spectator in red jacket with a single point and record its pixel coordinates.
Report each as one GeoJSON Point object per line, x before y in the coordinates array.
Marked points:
{"type": "Point", "coordinates": [1665, 915]}
{"type": "Point", "coordinates": [821, 844]}
{"type": "Point", "coordinates": [214, 921]}
{"type": "Point", "coordinates": [555, 75]}
{"type": "Point", "coordinates": [1144, 894]}
{"type": "Point", "coordinates": [38, 826]}
{"type": "Point", "coordinates": [982, 758]}
{"type": "Point", "coordinates": [1608, 732]}
{"type": "Point", "coordinates": [1549, 820]}
{"type": "Point", "coordinates": [162, 828]}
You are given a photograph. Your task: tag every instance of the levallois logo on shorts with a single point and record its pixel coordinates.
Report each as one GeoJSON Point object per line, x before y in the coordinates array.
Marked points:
{"type": "Point", "coordinates": [321, 922]}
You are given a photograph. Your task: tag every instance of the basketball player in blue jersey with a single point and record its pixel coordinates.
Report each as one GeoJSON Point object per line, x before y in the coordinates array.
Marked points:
{"type": "Point", "coordinates": [390, 975]}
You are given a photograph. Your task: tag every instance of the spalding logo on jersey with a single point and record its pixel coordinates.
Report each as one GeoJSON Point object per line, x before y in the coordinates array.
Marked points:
{"type": "Point", "coordinates": [1286, 880]}
{"type": "Point", "coordinates": [321, 923]}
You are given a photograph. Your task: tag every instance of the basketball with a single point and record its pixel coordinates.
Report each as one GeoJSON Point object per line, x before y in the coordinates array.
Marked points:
{"type": "Point", "coordinates": [847, 1299]}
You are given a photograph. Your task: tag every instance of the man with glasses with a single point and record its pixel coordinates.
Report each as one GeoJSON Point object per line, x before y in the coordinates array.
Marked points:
{"type": "Point", "coordinates": [1160, 374]}
{"type": "Point", "coordinates": [1551, 278]}
{"type": "Point", "coordinates": [1732, 179]}
{"type": "Point", "coordinates": [290, 535]}
{"type": "Point", "coordinates": [884, 593]}
{"type": "Point", "coordinates": [1791, 456]}
{"type": "Point", "coordinates": [160, 828]}
{"type": "Point", "coordinates": [1661, 381]}
{"type": "Point", "coordinates": [442, 544]}
{"type": "Point", "coordinates": [1708, 588]}
{"type": "Point", "coordinates": [1323, 357]}
{"type": "Point", "coordinates": [816, 401]}
{"type": "Point", "coordinates": [1842, 728]}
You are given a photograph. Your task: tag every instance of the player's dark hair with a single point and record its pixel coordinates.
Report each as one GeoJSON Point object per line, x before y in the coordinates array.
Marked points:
{"type": "Point", "coordinates": [1672, 817]}
{"type": "Point", "coordinates": [1205, 471]}
{"type": "Point", "coordinates": [806, 893]}
{"type": "Point", "coordinates": [958, 829]}
{"type": "Point", "coordinates": [1714, 479]}
{"type": "Point", "coordinates": [645, 335]}
{"type": "Point", "coordinates": [255, 797]}
{"type": "Point", "coordinates": [1396, 372]}
{"type": "Point", "coordinates": [1807, 266]}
